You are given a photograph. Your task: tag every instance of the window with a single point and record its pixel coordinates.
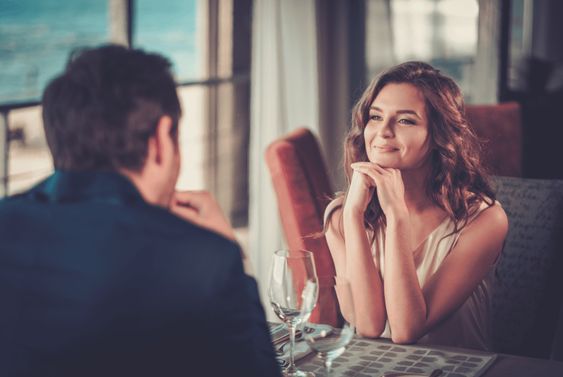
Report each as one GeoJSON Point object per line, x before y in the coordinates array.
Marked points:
{"type": "Point", "coordinates": [442, 33]}
{"type": "Point", "coordinates": [170, 27]}
{"type": "Point", "coordinates": [208, 42]}
{"type": "Point", "coordinates": [34, 45]}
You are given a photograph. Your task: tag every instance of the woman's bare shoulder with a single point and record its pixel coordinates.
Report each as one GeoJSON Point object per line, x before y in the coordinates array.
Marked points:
{"type": "Point", "coordinates": [492, 214]}
{"type": "Point", "coordinates": [333, 225]}
{"type": "Point", "coordinates": [487, 231]}
{"type": "Point", "coordinates": [334, 209]}
{"type": "Point", "coordinates": [496, 217]}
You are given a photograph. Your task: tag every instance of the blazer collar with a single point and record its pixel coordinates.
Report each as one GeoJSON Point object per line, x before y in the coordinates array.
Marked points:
{"type": "Point", "coordinates": [64, 186]}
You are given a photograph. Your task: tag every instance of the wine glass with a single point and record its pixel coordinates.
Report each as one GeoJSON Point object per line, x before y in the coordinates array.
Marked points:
{"type": "Point", "coordinates": [293, 293]}
{"type": "Point", "coordinates": [329, 338]}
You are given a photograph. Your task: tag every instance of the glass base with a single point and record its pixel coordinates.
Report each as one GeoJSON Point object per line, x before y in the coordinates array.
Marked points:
{"type": "Point", "coordinates": [297, 373]}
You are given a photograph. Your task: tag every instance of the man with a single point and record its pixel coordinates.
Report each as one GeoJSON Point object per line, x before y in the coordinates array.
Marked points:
{"type": "Point", "coordinates": [106, 270]}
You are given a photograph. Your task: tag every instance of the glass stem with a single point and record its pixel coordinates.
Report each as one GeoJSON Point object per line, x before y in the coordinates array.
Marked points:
{"type": "Point", "coordinates": [292, 328]}
{"type": "Point", "coordinates": [328, 367]}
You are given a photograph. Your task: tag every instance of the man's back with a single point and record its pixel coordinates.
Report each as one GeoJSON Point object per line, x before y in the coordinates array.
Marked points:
{"type": "Point", "coordinates": [95, 281]}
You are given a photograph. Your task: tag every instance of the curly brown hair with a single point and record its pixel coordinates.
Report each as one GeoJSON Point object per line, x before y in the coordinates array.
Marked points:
{"type": "Point", "coordinates": [458, 182]}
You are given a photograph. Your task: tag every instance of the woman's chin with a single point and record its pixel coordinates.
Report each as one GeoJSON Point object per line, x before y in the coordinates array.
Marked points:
{"type": "Point", "coordinates": [386, 163]}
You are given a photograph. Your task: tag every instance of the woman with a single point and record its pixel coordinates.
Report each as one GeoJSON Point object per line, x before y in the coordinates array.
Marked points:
{"type": "Point", "coordinates": [418, 231]}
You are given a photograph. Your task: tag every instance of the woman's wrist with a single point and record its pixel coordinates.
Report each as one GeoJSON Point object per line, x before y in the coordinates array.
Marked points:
{"type": "Point", "coordinates": [397, 217]}
{"type": "Point", "coordinates": [352, 212]}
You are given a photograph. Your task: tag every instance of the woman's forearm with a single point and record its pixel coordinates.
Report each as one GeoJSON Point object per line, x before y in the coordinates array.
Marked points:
{"type": "Point", "coordinates": [406, 307]}
{"type": "Point", "coordinates": [365, 280]}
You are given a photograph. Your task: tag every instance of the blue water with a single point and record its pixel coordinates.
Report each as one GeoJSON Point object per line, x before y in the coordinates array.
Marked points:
{"type": "Point", "coordinates": [36, 37]}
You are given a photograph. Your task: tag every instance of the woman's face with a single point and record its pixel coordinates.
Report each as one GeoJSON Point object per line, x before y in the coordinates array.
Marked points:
{"type": "Point", "coordinates": [396, 134]}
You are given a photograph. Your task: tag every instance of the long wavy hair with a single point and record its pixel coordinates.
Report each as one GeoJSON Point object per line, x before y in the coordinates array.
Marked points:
{"type": "Point", "coordinates": [457, 182]}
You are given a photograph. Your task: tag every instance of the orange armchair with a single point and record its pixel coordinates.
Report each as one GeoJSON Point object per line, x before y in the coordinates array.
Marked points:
{"type": "Point", "coordinates": [303, 191]}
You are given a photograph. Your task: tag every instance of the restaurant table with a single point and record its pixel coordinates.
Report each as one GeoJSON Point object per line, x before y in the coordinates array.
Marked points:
{"type": "Point", "coordinates": [373, 357]}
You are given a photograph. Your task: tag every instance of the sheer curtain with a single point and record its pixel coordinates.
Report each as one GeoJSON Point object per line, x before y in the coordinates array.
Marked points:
{"type": "Point", "coordinates": [284, 96]}
{"type": "Point", "coordinates": [487, 58]}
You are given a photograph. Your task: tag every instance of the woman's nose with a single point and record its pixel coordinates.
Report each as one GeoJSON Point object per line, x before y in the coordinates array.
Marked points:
{"type": "Point", "coordinates": [385, 130]}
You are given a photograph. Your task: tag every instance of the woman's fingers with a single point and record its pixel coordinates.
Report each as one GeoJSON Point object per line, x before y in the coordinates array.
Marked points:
{"type": "Point", "coordinates": [371, 170]}
{"type": "Point", "coordinates": [371, 166]}
{"type": "Point", "coordinates": [381, 169]}
{"type": "Point", "coordinates": [389, 184]}
{"type": "Point", "coordinates": [368, 173]}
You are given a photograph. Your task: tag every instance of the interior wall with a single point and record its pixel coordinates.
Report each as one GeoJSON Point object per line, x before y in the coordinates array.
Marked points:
{"type": "Point", "coordinates": [541, 96]}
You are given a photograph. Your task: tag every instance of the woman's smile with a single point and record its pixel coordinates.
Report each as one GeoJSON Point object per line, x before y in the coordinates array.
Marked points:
{"type": "Point", "coordinates": [386, 148]}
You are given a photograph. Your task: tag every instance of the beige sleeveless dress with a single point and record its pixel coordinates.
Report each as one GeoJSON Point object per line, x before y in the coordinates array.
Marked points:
{"type": "Point", "coordinates": [469, 326]}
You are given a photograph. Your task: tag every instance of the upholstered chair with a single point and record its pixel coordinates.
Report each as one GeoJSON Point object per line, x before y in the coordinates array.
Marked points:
{"type": "Point", "coordinates": [303, 190]}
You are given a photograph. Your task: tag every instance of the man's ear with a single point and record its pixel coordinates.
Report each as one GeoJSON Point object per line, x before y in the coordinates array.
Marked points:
{"type": "Point", "coordinates": [162, 143]}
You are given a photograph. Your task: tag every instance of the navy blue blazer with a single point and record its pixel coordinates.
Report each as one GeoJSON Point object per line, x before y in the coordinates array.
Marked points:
{"type": "Point", "coordinates": [96, 282]}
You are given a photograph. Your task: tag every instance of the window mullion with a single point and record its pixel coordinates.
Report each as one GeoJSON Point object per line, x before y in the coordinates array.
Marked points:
{"type": "Point", "coordinates": [4, 153]}
{"type": "Point", "coordinates": [121, 22]}
{"type": "Point", "coordinates": [212, 67]}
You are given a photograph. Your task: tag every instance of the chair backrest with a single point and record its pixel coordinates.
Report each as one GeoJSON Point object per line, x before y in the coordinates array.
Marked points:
{"type": "Point", "coordinates": [528, 294]}
{"type": "Point", "coordinates": [500, 126]}
{"type": "Point", "coordinates": [303, 191]}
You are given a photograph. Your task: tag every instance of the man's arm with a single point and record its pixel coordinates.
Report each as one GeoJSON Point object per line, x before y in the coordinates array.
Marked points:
{"type": "Point", "coordinates": [242, 324]}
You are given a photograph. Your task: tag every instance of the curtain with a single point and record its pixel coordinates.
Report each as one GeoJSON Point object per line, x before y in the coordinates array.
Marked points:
{"type": "Point", "coordinates": [284, 96]}
{"type": "Point", "coordinates": [486, 68]}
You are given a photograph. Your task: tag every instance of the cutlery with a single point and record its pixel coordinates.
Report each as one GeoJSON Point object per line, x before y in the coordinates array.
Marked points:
{"type": "Point", "coordinates": [298, 336]}
{"type": "Point", "coordinates": [280, 343]}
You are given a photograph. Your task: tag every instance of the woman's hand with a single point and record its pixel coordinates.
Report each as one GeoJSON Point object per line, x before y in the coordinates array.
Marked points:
{"type": "Point", "coordinates": [359, 194]}
{"type": "Point", "coordinates": [389, 185]}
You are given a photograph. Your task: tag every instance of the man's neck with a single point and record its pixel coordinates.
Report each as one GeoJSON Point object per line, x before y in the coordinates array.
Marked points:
{"type": "Point", "coordinates": [147, 190]}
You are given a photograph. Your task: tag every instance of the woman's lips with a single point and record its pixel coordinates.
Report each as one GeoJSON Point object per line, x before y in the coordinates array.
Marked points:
{"type": "Point", "coordinates": [386, 148]}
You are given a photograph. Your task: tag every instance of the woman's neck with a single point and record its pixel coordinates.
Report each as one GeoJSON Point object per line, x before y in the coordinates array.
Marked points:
{"type": "Point", "coordinates": [416, 197]}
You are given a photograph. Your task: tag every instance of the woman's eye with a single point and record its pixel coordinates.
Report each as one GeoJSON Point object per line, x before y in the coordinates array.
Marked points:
{"type": "Point", "coordinates": [407, 121]}
{"type": "Point", "coordinates": [375, 117]}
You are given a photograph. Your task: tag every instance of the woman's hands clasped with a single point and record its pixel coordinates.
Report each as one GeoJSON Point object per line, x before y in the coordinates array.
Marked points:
{"type": "Point", "coordinates": [388, 184]}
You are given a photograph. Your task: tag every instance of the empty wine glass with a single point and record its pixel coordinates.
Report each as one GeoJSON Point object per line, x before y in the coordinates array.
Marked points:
{"type": "Point", "coordinates": [293, 293]}
{"type": "Point", "coordinates": [330, 338]}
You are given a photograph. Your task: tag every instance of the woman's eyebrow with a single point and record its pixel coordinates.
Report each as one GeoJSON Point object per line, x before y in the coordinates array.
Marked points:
{"type": "Point", "coordinates": [412, 112]}
{"type": "Point", "coordinates": [405, 111]}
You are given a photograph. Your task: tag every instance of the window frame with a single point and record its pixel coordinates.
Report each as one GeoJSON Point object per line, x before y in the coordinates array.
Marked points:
{"type": "Point", "coordinates": [227, 78]}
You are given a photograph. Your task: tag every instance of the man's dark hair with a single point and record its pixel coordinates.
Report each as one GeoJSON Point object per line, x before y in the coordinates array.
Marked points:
{"type": "Point", "coordinates": [100, 112]}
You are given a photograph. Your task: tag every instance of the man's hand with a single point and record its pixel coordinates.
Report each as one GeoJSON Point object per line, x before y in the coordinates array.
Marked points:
{"type": "Point", "coordinates": [200, 208]}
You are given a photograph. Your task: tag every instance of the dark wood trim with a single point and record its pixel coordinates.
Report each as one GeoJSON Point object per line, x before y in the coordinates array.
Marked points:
{"type": "Point", "coordinates": [357, 49]}
{"type": "Point", "coordinates": [7, 107]}
{"type": "Point", "coordinates": [129, 21]}
{"type": "Point", "coordinates": [504, 49]}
